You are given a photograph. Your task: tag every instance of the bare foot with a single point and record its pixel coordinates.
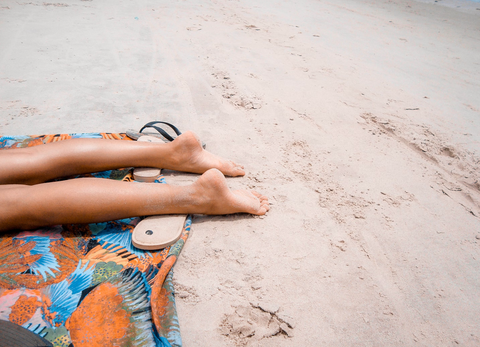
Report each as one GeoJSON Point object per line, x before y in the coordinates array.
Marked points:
{"type": "Point", "coordinates": [213, 196]}
{"type": "Point", "coordinates": [189, 156]}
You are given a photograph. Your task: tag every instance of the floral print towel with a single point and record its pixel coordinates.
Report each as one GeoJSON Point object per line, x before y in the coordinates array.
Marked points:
{"type": "Point", "coordinates": [87, 285]}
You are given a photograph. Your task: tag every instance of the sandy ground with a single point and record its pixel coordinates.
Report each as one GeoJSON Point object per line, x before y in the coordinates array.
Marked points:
{"type": "Point", "coordinates": [359, 119]}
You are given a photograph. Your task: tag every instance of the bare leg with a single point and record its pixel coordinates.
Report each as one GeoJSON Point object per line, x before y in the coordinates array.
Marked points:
{"type": "Point", "coordinates": [90, 200]}
{"type": "Point", "coordinates": [78, 156]}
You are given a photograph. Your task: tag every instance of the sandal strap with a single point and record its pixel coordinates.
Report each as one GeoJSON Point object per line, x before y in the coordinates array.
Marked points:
{"type": "Point", "coordinates": [162, 131]}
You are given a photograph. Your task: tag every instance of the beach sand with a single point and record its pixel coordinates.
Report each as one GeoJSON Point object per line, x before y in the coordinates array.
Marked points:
{"type": "Point", "coordinates": [360, 120]}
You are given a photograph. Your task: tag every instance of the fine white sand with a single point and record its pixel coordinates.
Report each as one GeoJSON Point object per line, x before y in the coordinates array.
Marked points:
{"type": "Point", "coordinates": [359, 119]}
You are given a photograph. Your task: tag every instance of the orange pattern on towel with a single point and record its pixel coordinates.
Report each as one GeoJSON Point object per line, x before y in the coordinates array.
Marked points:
{"type": "Point", "coordinates": [107, 327]}
{"type": "Point", "coordinates": [23, 309]}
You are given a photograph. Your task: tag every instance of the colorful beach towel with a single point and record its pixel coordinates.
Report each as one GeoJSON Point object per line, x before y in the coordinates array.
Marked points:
{"type": "Point", "coordinates": [86, 285]}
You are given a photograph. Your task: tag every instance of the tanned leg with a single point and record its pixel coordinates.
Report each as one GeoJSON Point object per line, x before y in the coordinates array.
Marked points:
{"type": "Point", "coordinates": [78, 156]}
{"type": "Point", "coordinates": [91, 200]}
{"type": "Point", "coordinates": [28, 202]}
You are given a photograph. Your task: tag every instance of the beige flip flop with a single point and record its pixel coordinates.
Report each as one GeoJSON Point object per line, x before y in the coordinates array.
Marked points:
{"type": "Point", "coordinates": [157, 232]}
{"type": "Point", "coordinates": [147, 174]}
{"type": "Point", "coordinates": [160, 231]}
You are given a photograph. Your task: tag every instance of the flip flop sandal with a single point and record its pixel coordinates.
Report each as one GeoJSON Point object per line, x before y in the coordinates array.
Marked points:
{"type": "Point", "coordinates": [15, 335]}
{"type": "Point", "coordinates": [155, 232]}
{"type": "Point", "coordinates": [147, 174]}
{"type": "Point", "coordinates": [162, 133]}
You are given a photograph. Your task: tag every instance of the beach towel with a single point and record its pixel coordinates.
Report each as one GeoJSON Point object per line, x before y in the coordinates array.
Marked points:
{"type": "Point", "coordinates": [86, 285]}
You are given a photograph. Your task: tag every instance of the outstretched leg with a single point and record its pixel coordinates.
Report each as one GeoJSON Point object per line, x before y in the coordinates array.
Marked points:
{"type": "Point", "coordinates": [79, 156]}
{"type": "Point", "coordinates": [91, 200]}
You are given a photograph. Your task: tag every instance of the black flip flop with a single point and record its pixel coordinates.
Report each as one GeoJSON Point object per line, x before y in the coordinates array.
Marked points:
{"type": "Point", "coordinates": [13, 335]}
{"type": "Point", "coordinates": [162, 133]}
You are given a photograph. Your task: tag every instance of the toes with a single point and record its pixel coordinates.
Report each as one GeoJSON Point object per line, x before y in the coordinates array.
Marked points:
{"type": "Point", "coordinates": [262, 210]}
{"type": "Point", "coordinates": [258, 195]}
{"type": "Point", "coordinates": [264, 205]}
{"type": "Point", "coordinates": [234, 169]}
{"type": "Point", "coordinates": [238, 171]}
